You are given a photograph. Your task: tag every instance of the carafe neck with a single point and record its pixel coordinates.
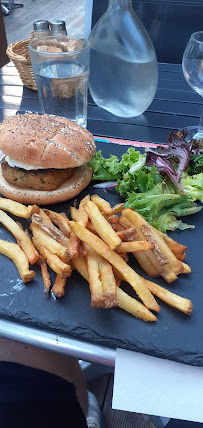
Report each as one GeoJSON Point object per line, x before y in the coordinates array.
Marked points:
{"type": "Point", "coordinates": [120, 4]}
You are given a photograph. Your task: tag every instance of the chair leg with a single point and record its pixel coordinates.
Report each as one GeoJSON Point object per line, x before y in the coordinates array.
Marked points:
{"type": "Point", "coordinates": [18, 5]}
{"type": "Point", "coordinates": [5, 10]}
{"type": "Point", "coordinates": [10, 5]}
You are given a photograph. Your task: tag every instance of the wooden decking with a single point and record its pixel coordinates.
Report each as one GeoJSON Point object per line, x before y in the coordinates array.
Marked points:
{"type": "Point", "coordinates": [19, 23]}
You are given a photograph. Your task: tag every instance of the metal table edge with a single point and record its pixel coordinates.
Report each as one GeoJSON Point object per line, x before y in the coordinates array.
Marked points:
{"type": "Point", "coordinates": [53, 342]}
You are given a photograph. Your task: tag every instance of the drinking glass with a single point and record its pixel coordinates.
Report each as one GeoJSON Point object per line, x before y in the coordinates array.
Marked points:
{"type": "Point", "coordinates": [192, 64]}
{"type": "Point", "coordinates": [61, 68]}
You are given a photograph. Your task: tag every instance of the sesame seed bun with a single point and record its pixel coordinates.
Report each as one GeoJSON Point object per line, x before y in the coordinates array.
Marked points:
{"type": "Point", "coordinates": [46, 141]}
{"type": "Point", "coordinates": [56, 144]}
{"type": "Point", "coordinates": [69, 189]}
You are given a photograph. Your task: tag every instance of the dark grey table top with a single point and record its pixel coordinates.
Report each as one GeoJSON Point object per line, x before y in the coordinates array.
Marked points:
{"type": "Point", "coordinates": [175, 106]}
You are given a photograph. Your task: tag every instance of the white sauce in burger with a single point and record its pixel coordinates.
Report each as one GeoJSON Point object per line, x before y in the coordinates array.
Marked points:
{"type": "Point", "coordinates": [15, 164]}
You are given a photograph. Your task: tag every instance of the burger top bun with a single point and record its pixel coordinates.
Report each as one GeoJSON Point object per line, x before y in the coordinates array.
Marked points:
{"type": "Point", "coordinates": [46, 140]}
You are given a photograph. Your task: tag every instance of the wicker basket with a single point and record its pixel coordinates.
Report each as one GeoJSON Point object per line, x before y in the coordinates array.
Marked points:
{"type": "Point", "coordinates": [19, 54]}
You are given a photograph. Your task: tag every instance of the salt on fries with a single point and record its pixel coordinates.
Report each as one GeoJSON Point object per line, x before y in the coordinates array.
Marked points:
{"type": "Point", "coordinates": [96, 243]}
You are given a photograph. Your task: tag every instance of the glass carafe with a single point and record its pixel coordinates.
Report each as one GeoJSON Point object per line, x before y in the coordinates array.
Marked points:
{"type": "Point", "coordinates": [123, 64]}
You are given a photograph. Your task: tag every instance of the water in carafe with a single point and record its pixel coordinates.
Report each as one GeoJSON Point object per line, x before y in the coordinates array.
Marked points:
{"type": "Point", "coordinates": [123, 65]}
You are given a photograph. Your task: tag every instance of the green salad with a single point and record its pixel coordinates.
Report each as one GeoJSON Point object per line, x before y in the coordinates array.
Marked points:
{"type": "Point", "coordinates": [162, 185]}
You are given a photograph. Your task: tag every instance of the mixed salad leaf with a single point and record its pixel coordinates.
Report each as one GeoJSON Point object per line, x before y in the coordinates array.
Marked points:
{"type": "Point", "coordinates": [161, 185]}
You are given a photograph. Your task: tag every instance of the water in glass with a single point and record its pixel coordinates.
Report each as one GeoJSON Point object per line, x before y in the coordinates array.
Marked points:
{"type": "Point", "coordinates": [62, 89]}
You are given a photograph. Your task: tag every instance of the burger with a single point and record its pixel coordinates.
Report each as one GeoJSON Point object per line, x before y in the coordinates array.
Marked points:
{"type": "Point", "coordinates": [45, 158]}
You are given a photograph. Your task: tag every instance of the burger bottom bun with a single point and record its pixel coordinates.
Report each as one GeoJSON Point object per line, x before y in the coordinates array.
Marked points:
{"type": "Point", "coordinates": [69, 189]}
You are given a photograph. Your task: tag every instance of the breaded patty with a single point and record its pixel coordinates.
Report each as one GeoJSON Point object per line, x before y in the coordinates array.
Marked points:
{"type": "Point", "coordinates": [40, 179]}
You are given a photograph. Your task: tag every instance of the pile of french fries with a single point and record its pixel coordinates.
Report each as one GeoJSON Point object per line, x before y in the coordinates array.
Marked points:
{"type": "Point", "coordinates": [96, 241]}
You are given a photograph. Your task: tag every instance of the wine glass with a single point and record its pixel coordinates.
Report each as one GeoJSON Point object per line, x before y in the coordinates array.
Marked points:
{"type": "Point", "coordinates": [192, 64]}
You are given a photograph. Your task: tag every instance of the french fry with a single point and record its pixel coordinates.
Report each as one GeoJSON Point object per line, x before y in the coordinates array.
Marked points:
{"type": "Point", "coordinates": [52, 230]}
{"type": "Point", "coordinates": [113, 219]}
{"type": "Point", "coordinates": [128, 273]}
{"type": "Point", "coordinates": [108, 282]}
{"type": "Point", "coordinates": [83, 200]}
{"type": "Point", "coordinates": [118, 274]}
{"type": "Point", "coordinates": [82, 251]}
{"type": "Point", "coordinates": [186, 268]}
{"type": "Point", "coordinates": [142, 258]}
{"type": "Point", "coordinates": [177, 249]}
{"type": "Point", "coordinates": [45, 217]}
{"type": "Point", "coordinates": [61, 220]}
{"type": "Point", "coordinates": [97, 243]}
{"type": "Point", "coordinates": [51, 244]}
{"type": "Point", "coordinates": [21, 237]}
{"type": "Point", "coordinates": [73, 248]}
{"type": "Point", "coordinates": [91, 228]}
{"type": "Point", "coordinates": [161, 257]}
{"type": "Point", "coordinates": [117, 208]}
{"type": "Point", "coordinates": [134, 246]}
{"type": "Point", "coordinates": [174, 263]}
{"type": "Point", "coordinates": [80, 264]}
{"type": "Point", "coordinates": [168, 297]}
{"type": "Point", "coordinates": [144, 231]}
{"type": "Point", "coordinates": [45, 274]}
{"type": "Point", "coordinates": [82, 217]}
{"type": "Point", "coordinates": [102, 226]}
{"type": "Point", "coordinates": [18, 209]}
{"type": "Point", "coordinates": [14, 252]}
{"type": "Point", "coordinates": [180, 303]}
{"type": "Point", "coordinates": [102, 204]}
{"type": "Point", "coordinates": [118, 228]}
{"type": "Point", "coordinates": [118, 281]}
{"type": "Point", "coordinates": [134, 307]}
{"type": "Point", "coordinates": [124, 256]}
{"type": "Point", "coordinates": [146, 264]}
{"type": "Point", "coordinates": [126, 222]}
{"type": "Point", "coordinates": [127, 235]}
{"type": "Point", "coordinates": [180, 257]}
{"type": "Point", "coordinates": [124, 301]}
{"type": "Point", "coordinates": [54, 262]}
{"type": "Point", "coordinates": [95, 284]}
{"type": "Point", "coordinates": [58, 288]}
{"type": "Point", "coordinates": [74, 213]}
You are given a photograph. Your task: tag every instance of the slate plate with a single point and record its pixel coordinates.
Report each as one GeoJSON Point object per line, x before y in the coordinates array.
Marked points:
{"type": "Point", "coordinates": [174, 336]}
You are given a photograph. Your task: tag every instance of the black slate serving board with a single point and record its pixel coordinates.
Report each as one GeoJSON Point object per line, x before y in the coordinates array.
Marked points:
{"type": "Point", "coordinates": [174, 336]}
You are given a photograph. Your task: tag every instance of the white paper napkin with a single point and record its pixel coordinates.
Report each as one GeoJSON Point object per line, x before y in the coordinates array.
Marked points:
{"type": "Point", "coordinates": [159, 387]}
